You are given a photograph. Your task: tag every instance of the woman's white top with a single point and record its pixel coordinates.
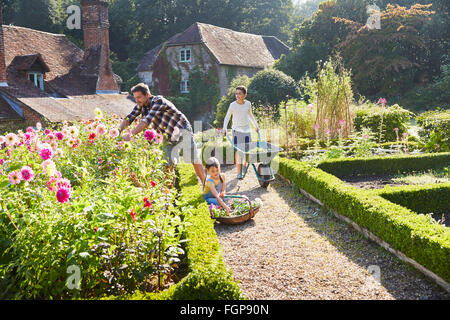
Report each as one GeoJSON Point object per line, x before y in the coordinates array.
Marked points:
{"type": "Point", "coordinates": [242, 115]}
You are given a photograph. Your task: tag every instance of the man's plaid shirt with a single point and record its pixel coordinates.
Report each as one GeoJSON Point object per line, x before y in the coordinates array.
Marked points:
{"type": "Point", "coordinates": [161, 113]}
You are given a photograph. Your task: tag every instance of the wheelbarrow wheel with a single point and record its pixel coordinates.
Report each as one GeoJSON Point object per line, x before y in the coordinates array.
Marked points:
{"type": "Point", "coordinates": [264, 174]}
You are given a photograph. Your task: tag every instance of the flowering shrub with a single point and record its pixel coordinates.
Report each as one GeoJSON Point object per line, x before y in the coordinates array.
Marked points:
{"type": "Point", "coordinates": [80, 196]}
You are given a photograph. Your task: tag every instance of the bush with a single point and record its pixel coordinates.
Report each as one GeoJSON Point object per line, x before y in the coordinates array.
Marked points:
{"type": "Point", "coordinates": [299, 117]}
{"type": "Point", "coordinates": [369, 116]}
{"type": "Point", "coordinates": [435, 130]}
{"type": "Point", "coordinates": [421, 199]}
{"type": "Point", "coordinates": [100, 204]}
{"type": "Point", "coordinates": [271, 87]}
{"type": "Point", "coordinates": [385, 165]}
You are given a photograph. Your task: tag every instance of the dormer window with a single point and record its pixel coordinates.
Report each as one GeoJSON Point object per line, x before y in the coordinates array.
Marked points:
{"type": "Point", "coordinates": [31, 66]}
{"type": "Point", "coordinates": [37, 78]}
{"type": "Point", "coordinates": [185, 55]}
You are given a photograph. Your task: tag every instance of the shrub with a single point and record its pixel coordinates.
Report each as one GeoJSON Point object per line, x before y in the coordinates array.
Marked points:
{"type": "Point", "coordinates": [271, 87]}
{"type": "Point", "coordinates": [373, 116]}
{"type": "Point", "coordinates": [435, 129]}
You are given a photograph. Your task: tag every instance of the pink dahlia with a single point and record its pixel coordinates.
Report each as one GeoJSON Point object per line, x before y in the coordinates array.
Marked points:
{"type": "Point", "coordinates": [114, 133]}
{"type": "Point", "coordinates": [15, 177]}
{"type": "Point", "coordinates": [64, 183]}
{"type": "Point", "coordinates": [101, 129]}
{"type": "Point", "coordinates": [149, 135]}
{"type": "Point", "coordinates": [27, 173]}
{"type": "Point", "coordinates": [46, 153]}
{"type": "Point", "coordinates": [63, 195]}
{"type": "Point", "coordinates": [59, 136]}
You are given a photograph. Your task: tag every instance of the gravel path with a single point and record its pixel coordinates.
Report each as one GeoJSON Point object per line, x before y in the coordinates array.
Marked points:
{"type": "Point", "coordinates": [294, 249]}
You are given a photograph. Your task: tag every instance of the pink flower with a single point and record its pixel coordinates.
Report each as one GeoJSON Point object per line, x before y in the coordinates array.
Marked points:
{"type": "Point", "coordinates": [366, 136]}
{"type": "Point", "coordinates": [341, 123]}
{"type": "Point", "coordinates": [59, 136]}
{"type": "Point", "coordinates": [63, 195]}
{"type": "Point", "coordinates": [149, 135]}
{"type": "Point", "coordinates": [27, 173]}
{"type": "Point", "coordinates": [396, 129]}
{"type": "Point", "coordinates": [51, 184]}
{"type": "Point", "coordinates": [114, 133]}
{"type": "Point", "coordinates": [64, 183]}
{"type": "Point", "coordinates": [11, 139]}
{"type": "Point", "coordinates": [46, 153]}
{"type": "Point", "coordinates": [15, 177]}
{"type": "Point", "coordinates": [159, 138]}
{"type": "Point", "coordinates": [47, 131]}
{"type": "Point", "coordinates": [101, 129]}
{"type": "Point", "coordinates": [29, 129]}
{"type": "Point", "coordinates": [2, 140]}
{"type": "Point", "coordinates": [382, 101]}
{"type": "Point", "coordinates": [2, 161]}
{"type": "Point", "coordinates": [316, 126]}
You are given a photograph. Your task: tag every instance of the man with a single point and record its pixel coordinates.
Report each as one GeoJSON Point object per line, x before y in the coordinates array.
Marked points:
{"type": "Point", "coordinates": [167, 120]}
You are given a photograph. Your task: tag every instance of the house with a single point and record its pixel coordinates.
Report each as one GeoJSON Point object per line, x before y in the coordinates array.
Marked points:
{"type": "Point", "coordinates": [206, 46]}
{"type": "Point", "coordinates": [45, 77]}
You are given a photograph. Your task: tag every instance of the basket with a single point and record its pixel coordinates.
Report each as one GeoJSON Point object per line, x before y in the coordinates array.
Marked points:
{"type": "Point", "coordinates": [242, 218]}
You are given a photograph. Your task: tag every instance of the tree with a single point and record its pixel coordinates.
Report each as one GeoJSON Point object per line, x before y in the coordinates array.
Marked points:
{"type": "Point", "coordinates": [386, 61]}
{"type": "Point", "coordinates": [271, 87]}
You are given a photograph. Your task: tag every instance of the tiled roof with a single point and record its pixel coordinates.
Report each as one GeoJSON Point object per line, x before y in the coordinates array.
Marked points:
{"type": "Point", "coordinates": [228, 47]}
{"type": "Point", "coordinates": [57, 51]}
{"type": "Point", "coordinates": [26, 62]}
{"type": "Point", "coordinates": [72, 72]}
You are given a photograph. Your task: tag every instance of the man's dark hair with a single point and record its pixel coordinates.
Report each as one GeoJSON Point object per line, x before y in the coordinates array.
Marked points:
{"type": "Point", "coordinates": [142, 87]}
{"type": "Point", "coordinates": [242, 88]}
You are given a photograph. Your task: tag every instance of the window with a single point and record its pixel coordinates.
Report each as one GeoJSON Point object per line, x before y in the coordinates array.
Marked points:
{"type": "Point", "coordinates": [185, 55]}
{"type": "Point", "coordinates": [37, 78]}
{"type": "Point", "coordinates": [184, 86]}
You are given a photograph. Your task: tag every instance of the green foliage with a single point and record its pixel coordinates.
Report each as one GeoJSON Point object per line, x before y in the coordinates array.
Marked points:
{"type": "Point", "coordinates": [105, 229]}
{"type": "Point", "coordinates": [271, 87]}
{"type": "Point", "coordinates": [435, 129]}
{"type": "Point", "coordinates": [421, 199]}
{"type": "Point", "coordinates": [298, 117]}
{"type": "Point", "coordinates": [412, 234]}
{"type": "Point", "coordinates": [204, 90]}
{"type": "Point", "coordinates": [372, 116]}
{"type": "Point", "coordinates": [208, 277]}
{"type": "Point", "coordinates": [385, 165]}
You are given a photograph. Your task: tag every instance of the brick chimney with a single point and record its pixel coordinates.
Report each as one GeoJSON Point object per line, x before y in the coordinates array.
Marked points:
{"type": "Point", "coordinates": [3, 80]}
{"type": "Point", "coordinates": [96, 37]}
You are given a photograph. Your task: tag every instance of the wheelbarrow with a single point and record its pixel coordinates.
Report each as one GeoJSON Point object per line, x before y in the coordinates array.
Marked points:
{"type": "Point", "coordinates": [261, 153]}
{"type": "Point", "coordinates": [238, 219]}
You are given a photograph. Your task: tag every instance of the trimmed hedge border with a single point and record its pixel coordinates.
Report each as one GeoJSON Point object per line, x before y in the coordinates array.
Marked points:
{"type": "Point", "coordinates": [420, 199]}
{"type": "Point", "coordinates": [208, 278]}
{"type": "Point", "coordinates": [411, 234]}
{"type": "Point", "coordinates": [390, 164]}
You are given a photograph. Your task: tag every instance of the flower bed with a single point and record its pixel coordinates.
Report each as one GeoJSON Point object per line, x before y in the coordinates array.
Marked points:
{"type": "Point", "coordinates": [411, 234]}
{"type": "Point", "coordinates": [86, 215]}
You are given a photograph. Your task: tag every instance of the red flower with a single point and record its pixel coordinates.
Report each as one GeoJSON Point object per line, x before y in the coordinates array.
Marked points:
{"type": "Point", "coordinates": [95, 229]}
{"type": "Point", "coordinates": [153, 183]}
{"type": "Point", "coordinates": [133, 214]}
{"type": "Point", "coordinates": [92, 136]}
{"type": "Point", "coordinates": [147, 203]}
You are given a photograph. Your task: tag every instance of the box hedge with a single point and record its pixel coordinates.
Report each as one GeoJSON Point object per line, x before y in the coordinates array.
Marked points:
{"type": "Point", "coordinates": [385, 165]}
{"type": "Point", "coordinates": [407, 232]}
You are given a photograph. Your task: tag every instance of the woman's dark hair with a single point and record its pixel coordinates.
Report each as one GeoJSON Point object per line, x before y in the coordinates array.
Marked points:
{"type": "Point", "coordinates": [141, 87]}
{"type": "Point", "coordinates": [213, 162]}
{"type": "Point", "coordinates": [242, 88]}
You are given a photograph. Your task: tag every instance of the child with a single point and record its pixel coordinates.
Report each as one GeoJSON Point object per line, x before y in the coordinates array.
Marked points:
{"type": "Point", "coordinates": [241, 110]}
{"type": "Point", "coordinates": [214, 190]}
